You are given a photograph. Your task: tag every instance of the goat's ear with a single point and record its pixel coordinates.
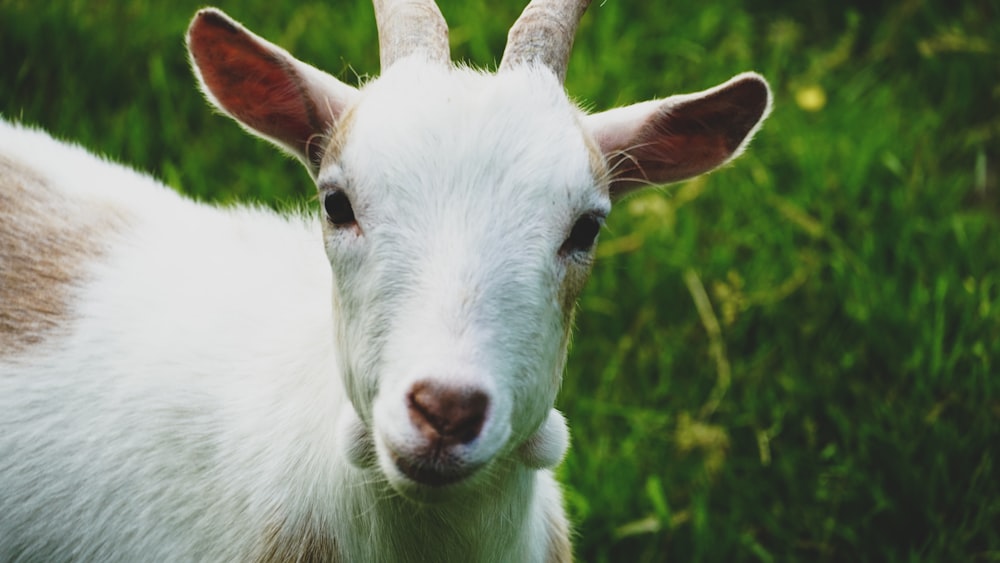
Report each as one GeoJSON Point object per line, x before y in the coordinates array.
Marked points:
{"type": "Point", "coordinates": [680, 137]}
{"type": "Point", "coordinates": [264, 88]}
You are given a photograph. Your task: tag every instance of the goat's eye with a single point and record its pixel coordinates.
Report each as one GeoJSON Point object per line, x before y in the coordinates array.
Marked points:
{"type": "Point", "coordinates": [582, 235]}
{"type": "Point", "coordinates": [338, 208]}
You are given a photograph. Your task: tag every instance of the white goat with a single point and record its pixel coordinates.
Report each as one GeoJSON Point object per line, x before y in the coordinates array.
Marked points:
{"type": "Point", "coordinates": [180, 382]}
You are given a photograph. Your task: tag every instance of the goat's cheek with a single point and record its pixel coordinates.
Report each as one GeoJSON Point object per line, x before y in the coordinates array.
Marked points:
{"type": "Point", "coordinates": [360, 336]}
{"type": "Point", "coordinates": [573, 280]}
{"type": "Point", "coordinates": [539, 378]}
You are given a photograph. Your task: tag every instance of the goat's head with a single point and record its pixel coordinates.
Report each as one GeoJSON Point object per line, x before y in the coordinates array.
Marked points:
{"type": "Point", "coordinates": [461, 212]}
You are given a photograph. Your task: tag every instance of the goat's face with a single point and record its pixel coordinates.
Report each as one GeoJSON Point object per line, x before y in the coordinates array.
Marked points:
{"type": "Point", "coordinates": [462, 211]}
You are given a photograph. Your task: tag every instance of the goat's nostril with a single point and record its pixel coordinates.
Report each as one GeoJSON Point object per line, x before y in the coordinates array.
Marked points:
{"type": "Point", "coordinates": [445, 413]}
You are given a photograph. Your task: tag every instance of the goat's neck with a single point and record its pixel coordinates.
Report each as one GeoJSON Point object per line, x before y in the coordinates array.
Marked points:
{"type": "Point", "coordinates": [491, 522]}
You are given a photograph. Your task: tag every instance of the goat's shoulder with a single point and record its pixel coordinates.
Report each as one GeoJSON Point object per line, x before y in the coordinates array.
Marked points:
{"type": "Point", "coordinates": [48, 236]}
{"type": "Point", "coordinates": [76, 228]}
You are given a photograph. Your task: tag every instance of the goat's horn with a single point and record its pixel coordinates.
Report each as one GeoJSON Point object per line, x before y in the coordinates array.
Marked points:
{"type": "Point", "coordinates": [408, 26]}
{"type": "Point", "coordinates": [544, 34]}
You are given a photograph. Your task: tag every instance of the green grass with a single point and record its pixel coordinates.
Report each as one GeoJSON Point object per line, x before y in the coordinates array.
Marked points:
{"type": "Point", "coordinates": [795, 358]}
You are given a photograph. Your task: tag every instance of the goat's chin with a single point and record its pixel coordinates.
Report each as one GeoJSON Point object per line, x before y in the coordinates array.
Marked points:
{"type": "Point", "coordinates": [427, 481]}
{"type": "Point", "coordinates": [430, 472]}
{"type": "Point", "coordinates": [411, 476]}
{"type": "Point", "coordinates": [419, 481]}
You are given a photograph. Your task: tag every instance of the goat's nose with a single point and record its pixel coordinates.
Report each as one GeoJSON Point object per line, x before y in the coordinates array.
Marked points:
{"type": "Point", "coordinates": [447, 414]}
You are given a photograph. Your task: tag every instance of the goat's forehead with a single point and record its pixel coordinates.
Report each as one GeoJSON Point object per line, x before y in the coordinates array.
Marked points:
{"type": "Point", "coordinates": [455, 125]}
{"type": "Point", "coordinates": [420, 90]}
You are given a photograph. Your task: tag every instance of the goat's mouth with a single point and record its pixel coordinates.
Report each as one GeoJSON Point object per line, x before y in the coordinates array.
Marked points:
{"type": "Point", "coordinates": [433, 471]}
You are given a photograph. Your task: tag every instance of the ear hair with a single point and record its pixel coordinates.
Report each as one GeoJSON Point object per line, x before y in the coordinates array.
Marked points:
{"type": "Point", "coordinates": [680, 137]}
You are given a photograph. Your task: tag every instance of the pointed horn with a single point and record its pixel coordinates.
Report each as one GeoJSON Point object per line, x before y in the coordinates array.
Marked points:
{"type": "Point", "coordinates": [544, 34]}
{"type": "Point", "coordinates": [408, 26]}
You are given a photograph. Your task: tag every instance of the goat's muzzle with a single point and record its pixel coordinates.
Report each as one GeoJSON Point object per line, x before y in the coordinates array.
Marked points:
{"type": "Point", "coordinates": [447, 418]}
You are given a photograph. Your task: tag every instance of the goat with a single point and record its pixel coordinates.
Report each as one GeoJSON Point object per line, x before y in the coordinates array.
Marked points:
{"type": "Point", "coordinates": [374, 382]}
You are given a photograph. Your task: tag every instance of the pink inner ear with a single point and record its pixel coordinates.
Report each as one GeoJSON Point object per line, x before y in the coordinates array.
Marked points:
{"type": "Point", "coordinates": [669, 151]}
{"type": "Point", "coordinates": [685, 139]}
{"type": "Point", "coordinates": [251, 81]}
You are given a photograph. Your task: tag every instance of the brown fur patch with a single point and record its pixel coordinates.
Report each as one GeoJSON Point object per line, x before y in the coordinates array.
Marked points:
{"type": "Point", "coordinates": [301, 543]}
{"type": "Point", "coordinates": [338, 137]}
{"type": "Point", "coordinates": [598, 164]}
{"type": "Point", "coordinates": [572, 286]}
{"type": "Point", "coordinates": [560, 549]}
{"type": "Point", "coordinates": [46, 239]}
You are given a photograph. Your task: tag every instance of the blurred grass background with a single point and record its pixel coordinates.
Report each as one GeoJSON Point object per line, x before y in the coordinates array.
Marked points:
{"type": "Point", "coordinates": [795, 358]}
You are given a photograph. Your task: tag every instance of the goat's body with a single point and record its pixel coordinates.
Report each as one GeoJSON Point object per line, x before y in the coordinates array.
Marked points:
{"type": "Point", "coordinates": [180, 382]}
{"type": "Point", "coordinates": [180, 400]}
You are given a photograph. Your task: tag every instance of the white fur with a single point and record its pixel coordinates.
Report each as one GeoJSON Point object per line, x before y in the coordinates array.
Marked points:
{"type": "Point", "coordinates": [164, 425]}
{"type": "Point", "coordinates": [194, 401]}
{"type": "Point", "coordinates": [228, 380]}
